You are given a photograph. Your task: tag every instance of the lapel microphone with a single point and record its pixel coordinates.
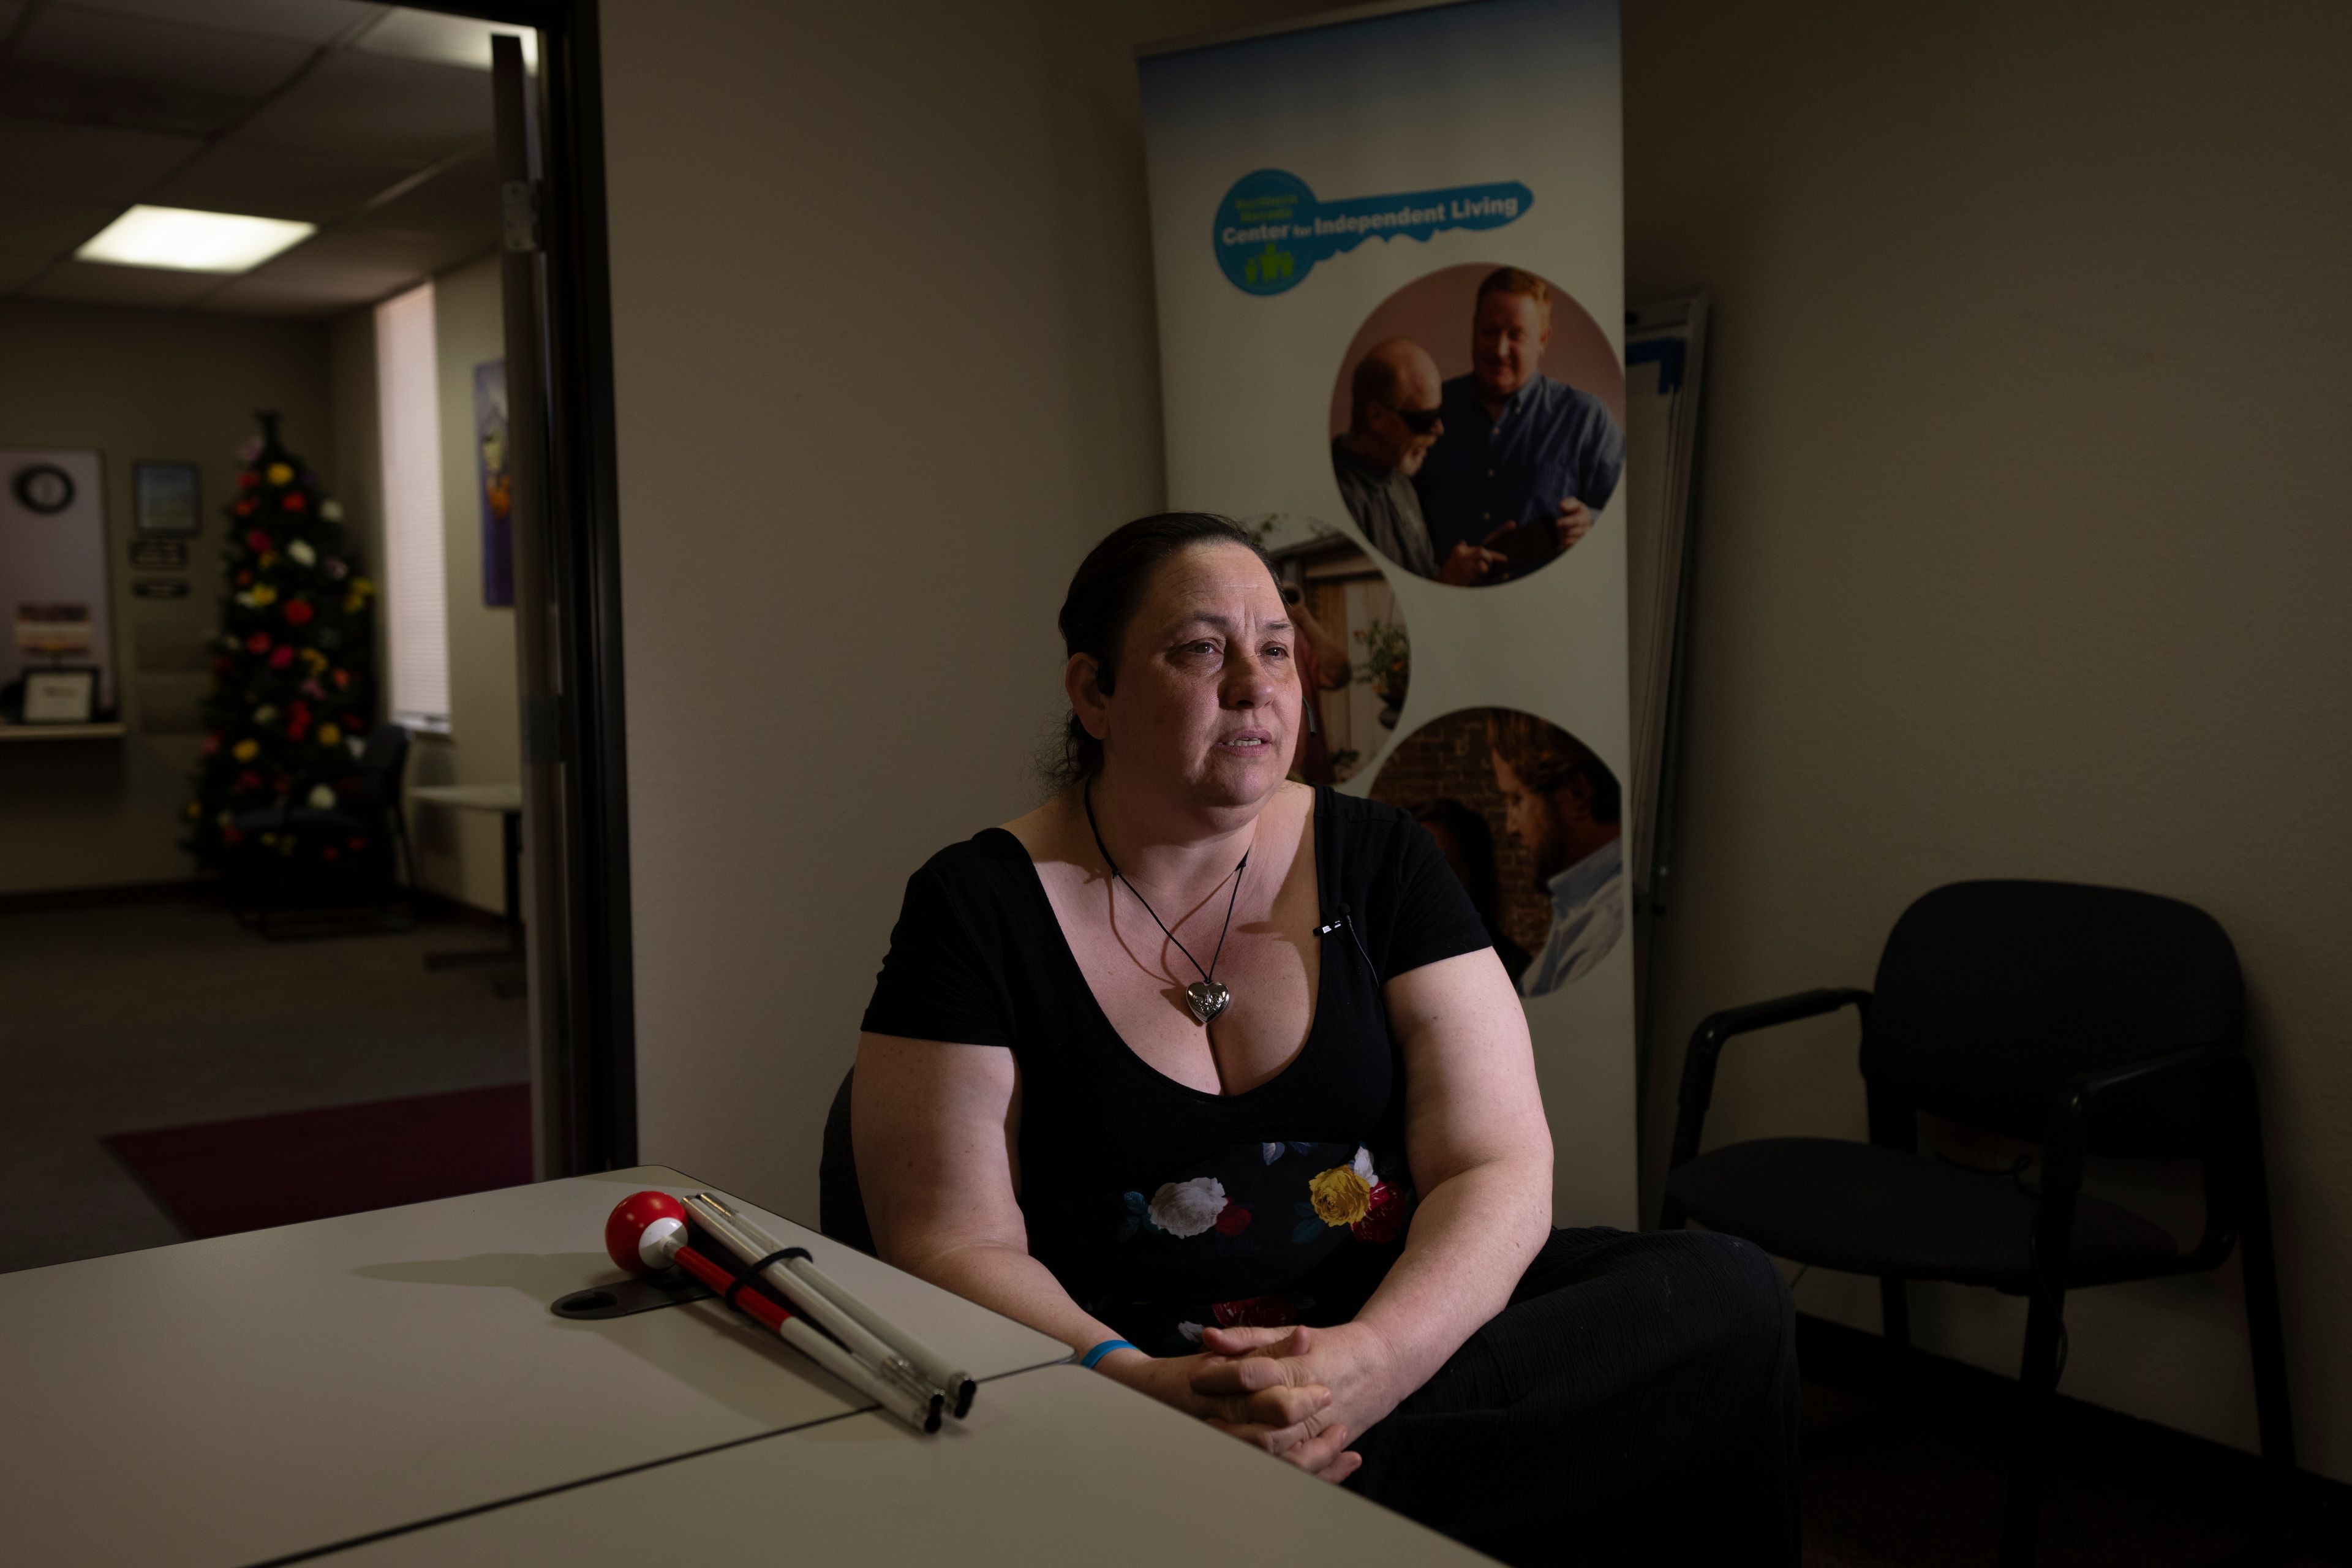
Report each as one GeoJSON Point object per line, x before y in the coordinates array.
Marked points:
{"type": "Point", "coordinates": [1341, 920]}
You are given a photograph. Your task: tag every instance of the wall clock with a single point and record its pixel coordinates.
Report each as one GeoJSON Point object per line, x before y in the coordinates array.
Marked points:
{"type": "Point", "coordinates": [44, 488]}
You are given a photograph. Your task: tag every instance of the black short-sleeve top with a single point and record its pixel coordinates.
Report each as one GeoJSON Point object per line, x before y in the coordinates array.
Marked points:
{"type": "Point", "coordinates": [1160, 1207]}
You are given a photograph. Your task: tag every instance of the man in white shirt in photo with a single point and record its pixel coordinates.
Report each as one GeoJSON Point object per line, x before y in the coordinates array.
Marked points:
{"type": "Point", "coordinates": [1563, 804]}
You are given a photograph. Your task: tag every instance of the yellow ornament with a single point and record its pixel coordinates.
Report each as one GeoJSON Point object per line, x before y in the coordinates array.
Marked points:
{"type": "Point", "coordinates": [362, 586]}
{"type": "Point", "coordinates": [1340, 1197]}
{"type": "Point", "coordinates": [352, 603]}
{"type": "Point", "coordinates": [269, 559]}
{"type": "Point", "coordinates": [245, 751]}
{"type": "Point", "coordinates": [329, 734]}
{"type": "Point", "coordinates": [263, 595]}
{"type": "Point", "coordinates": [315, 659]}
{"type": "Point", "coordinates": [281, 474]}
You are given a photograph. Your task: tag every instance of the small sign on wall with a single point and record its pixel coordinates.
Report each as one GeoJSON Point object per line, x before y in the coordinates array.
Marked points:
{"type": "Point", "coordinates": [168, 499]}
{"type": "Point", "coordinates": [159, 555]}
{"type": "Point", "coordinates": [160, 587]}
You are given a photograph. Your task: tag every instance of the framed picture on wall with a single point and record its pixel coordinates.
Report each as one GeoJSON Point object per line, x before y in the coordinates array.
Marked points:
{"type": "Point", "coordinates": [168, 501]}
{"type": "Point", "coordinates": [60, 696]}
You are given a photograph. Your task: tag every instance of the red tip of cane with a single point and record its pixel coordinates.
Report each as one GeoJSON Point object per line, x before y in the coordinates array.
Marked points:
{"type": "Point", "coordinates": [645, 1232]}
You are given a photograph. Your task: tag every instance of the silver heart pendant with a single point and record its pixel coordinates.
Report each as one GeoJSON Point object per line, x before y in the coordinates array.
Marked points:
{"type": "Point", "coordinates": [1206, 999]}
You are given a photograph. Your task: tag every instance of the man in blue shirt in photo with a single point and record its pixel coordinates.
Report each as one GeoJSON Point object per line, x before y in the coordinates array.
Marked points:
{"type": "Point", "coordinates": [1525, 462]}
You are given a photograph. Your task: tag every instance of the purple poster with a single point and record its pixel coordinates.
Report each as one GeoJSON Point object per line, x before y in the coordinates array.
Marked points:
{"type": "Point", "coordinates": [493, 483]}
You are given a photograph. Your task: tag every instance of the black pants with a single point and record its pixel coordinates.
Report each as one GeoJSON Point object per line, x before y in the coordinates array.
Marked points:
{"type": "Point", "coordinates": [1635, 1403]}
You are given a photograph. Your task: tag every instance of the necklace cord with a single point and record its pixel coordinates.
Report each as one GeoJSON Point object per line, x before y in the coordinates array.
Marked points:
{"type": "Point", "coordinates": [1208, 975]}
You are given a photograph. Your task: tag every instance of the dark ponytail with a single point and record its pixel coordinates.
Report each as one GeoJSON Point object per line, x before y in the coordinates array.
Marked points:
{"type": "Point", "coordinates": [1104, 596]}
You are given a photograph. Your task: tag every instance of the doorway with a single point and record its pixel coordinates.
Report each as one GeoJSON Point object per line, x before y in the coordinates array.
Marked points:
{"type": "Point", "coordinates": [206, 1038]}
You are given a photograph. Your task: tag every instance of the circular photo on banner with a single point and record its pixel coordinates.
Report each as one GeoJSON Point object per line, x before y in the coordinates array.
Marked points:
{"type": "Point", "coordinates": [1478, 425]}
{"type": "Point", "coordinates": [1531, 821]}
{"type": "Point", "coordinates": [1354, 658]}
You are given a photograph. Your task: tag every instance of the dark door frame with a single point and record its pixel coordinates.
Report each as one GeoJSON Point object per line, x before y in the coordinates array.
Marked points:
{"type": "Point", "coordinates": [599, 1007]}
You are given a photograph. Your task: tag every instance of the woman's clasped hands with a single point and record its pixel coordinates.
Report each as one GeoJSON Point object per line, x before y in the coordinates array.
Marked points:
{"type": "Point", "coordinates": [1298, 1392]}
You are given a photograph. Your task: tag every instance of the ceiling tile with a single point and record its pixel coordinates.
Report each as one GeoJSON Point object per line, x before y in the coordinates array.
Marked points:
{"type": "Point", "coordinates": [462, 199]}
{"type": "Point", "coordinates": [304, 21]}
{"type": "Point", "coordinates": [378, 106]}
{"type": "Point", "coordinates": [161, 54]}
{"type": "Point", "coordinates": [256, 295]}
{"type": "Point", "coordinates": [84, 163]}
{"type": "Point", "coordinates": [100, 285]}
{"type": "Point", "coordinates": [51, 225]}
{"type": "Point", "coordinates": [433, 35]}
{"type": "Point", "coordinates": [384, 261]}
{"type": "Point", "coordinates": [15, 271]}
{"type": "Point", "coordinates": [40, 93]}
{"type": "Point", "coordinates": [278, 181]}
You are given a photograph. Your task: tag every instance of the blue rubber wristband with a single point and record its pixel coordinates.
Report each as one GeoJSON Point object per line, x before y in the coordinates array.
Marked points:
{"type": "Point", "coordinates": [1103, 1350]}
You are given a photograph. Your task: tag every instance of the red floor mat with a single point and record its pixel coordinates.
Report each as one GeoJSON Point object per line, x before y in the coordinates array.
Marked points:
{"type": "Point", "coordinates": [221, 1177]}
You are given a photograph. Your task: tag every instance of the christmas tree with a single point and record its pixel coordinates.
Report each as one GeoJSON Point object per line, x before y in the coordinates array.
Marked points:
{"type": "Point", "coordinates": [293, 689]}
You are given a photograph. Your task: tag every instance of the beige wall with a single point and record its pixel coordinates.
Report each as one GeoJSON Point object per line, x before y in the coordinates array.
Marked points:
{"type": "Point", "coordinates": [140, 384]}
{"type": "Point", "coordinates": [2024, 551]}
{"type": "Point", "coordinates": [883, 326]}
{"type": "Point", "coordinates": [459, 854]}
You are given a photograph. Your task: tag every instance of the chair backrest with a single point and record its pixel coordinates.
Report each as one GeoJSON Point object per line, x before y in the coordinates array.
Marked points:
{"type": "Point", "coordinates": [376, 777]}
{"type": "Point", "coordinates": [840, 1205]}
{"type": "Point", "coordinates": [1990, 996]}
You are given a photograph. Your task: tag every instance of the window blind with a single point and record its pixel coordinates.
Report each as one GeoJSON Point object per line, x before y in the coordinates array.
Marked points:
{"type": "Point", "coordinates": [416, 589]}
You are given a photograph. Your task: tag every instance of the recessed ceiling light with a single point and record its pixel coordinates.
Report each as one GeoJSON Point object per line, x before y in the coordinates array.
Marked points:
{"type": "Point", "coordinates": [190, 241]}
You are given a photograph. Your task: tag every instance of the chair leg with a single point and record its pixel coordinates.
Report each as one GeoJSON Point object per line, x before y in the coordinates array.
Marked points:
{"type": "Point", "coordinates": [2266, 1336]}
{"type": "Point", "coordinates": [2037, 1383]}
{"type": "Point", "coordinates": [1895, 1327]}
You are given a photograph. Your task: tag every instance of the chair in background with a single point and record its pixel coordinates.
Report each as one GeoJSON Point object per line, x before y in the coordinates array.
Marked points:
{"type": "Point", "coordinates": [840, 1203]}
{"type": "Point", "coordinates": [366, 821]}
{"type": "Point", "coordinates": [2096, 1020]}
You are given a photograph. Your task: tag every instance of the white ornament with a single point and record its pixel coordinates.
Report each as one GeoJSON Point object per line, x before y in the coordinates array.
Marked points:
{"type": "Point", "coordinates": [332, 510]}
{"type": "Point", "coordinates": [322, 798]}
{"type": "Point", "coordinates": [263, 714]}
{"type": "Point", "coordinates": [301, 553]}
{"type": "Point", "coordinates": [358, 745]}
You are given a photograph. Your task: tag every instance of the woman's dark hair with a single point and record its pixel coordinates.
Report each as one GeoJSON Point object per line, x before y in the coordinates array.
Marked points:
{"type": "Point", "coordinates": [1103, 598]}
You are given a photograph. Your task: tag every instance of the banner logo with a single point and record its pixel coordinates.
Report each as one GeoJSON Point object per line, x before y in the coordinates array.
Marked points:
{"type": "Point", "coordinates": [1271, 231]}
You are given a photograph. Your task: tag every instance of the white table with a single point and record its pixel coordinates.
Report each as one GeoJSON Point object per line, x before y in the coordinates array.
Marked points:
{"type": "Point", "coordinates": [251, 1396]}
{"type": "Point", "coordinates": [506, 799]}
{"type": "Point", "coordinates": [1058, 1466]}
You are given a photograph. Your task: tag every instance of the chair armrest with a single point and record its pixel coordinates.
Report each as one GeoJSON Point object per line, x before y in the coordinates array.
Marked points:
{"type": "Point", "coordinates": [1717, 1030]}
{"type": "Point", "coordinates": [2070, 1119]}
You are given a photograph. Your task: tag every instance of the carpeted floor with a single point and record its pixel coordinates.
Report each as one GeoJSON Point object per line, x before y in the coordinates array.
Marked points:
{"type": "Point", "coordinates": [1918, 1482]}
{"type": "Point", "coordinates": [130, 1017]}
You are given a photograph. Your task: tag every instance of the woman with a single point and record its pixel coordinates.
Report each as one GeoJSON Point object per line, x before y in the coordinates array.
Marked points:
{"type": "Point", "coordinates": [1217, 1079]}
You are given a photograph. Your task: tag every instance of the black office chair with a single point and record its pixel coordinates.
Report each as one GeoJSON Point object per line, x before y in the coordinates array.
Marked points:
{"type": "Point", "coordinates": [2096, 1020]}
{"type": "Point", "coordinates": [840, 1203]}
{"type": "Point", "coordinates": [367, 812]}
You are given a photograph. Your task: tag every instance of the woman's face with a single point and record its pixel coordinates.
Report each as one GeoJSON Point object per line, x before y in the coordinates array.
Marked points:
{"type": "Point", "coordinates": [1207, 695]}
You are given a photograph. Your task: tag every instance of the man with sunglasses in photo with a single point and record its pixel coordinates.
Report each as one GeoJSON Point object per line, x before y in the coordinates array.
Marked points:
{"type": "Point", "coordinates": [1523, 462]}
{"type": "Point", "coordinates": [1392, 421]}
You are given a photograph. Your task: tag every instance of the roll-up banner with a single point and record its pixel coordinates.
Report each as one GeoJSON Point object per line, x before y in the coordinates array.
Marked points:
{"type": "Point", "coordinates": [1389, 253]}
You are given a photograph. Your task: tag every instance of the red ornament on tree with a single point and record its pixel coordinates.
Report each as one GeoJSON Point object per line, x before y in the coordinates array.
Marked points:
{"type": "Point", "coordinates": [258, 643]}
{"type": "Point", "coordinates": [299, 612]}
